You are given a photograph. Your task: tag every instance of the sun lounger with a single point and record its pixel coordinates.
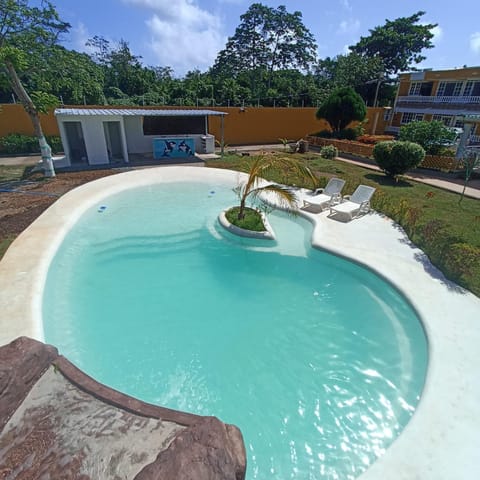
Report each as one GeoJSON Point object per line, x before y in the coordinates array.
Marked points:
{"type": "Point", "coordinates": [324, 197]}
{"type": "Point", "coordinates": [354, 205]}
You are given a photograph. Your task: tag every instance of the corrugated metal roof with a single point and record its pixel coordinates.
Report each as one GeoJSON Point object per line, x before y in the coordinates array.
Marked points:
{"type": "Point", "coordinates": [136, 111]}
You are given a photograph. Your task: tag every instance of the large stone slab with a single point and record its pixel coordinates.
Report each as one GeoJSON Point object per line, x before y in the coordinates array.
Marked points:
{"type": "Point", "coordinates": [56, 422]}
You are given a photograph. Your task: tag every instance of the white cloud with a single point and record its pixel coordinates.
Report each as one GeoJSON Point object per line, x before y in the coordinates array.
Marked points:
{"type": "Point", "coordinates": [475, 42]}
{"type": "Point", "coordinates": [351, 25]}
{"type": "Point", "coordinates": [437, 34]}
{"type": "Point", "coordinates": [183, 35]}
{"type": "Point", "coordinates": [80, 35]}
{"type": "Point", "coordinates": [346, 4]}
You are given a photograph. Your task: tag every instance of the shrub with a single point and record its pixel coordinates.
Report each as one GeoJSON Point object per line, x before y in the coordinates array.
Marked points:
{"type": "Point", "coordinates": [16, 143]}
{"type": "Point", "coordinates": [461, 261]}
{"type": "Point", "coordinates": [323, 134]}
{"type": "Point", "coordinates": [55, 143]}
{"type": "Point", "coordinates": [347, 134]}
{"type": "Point", "coordinates": [329, 152]}
{"type": "Point", "coordinates": [432, 136]}
{"type": "Point", "coordinates": [396, 158]}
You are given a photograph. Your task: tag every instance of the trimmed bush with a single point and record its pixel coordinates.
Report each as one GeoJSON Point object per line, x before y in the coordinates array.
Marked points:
{"type": "Point", "coordinates": [396, 158]}
{"type": "Point", "coordinates": [329, 152]}
{"type": "Point", "coordinates": [347, 134]}
{"type": "Point", "coordinates": [341, 107]}
{"type": "Point", "coordinates": [16, 143]}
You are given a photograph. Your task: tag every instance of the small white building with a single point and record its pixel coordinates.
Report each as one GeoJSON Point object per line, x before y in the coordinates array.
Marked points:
{"type": "Point", "coordinates": [93, 136]}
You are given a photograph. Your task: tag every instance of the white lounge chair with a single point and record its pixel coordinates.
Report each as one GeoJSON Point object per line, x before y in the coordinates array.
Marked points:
{"type": "Point", "coordinates": [325, 197]}
{"type": "Point", "coordinates": [354, 205]}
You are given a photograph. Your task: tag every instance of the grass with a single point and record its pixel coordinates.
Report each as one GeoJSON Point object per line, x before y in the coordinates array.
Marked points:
{"type": "Point", "coordinates": [11, 173]}
{"type": "Point", "coordinates": [446, 230]}
{"type": "Point", "coordinates": [252, 220]}
{"type": "Point", "coordinates": [4, 244]}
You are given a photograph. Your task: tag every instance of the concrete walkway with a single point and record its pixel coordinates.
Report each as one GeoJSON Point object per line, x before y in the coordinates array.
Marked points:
{"type": "Point", "coordinates": [446, 181]}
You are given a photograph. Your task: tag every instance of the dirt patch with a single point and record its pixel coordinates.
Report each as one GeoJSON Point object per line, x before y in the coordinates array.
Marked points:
{"type": "Point", "coordinates": [19, 208]}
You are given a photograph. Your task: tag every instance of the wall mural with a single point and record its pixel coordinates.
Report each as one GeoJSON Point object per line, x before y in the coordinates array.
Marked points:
{"type": "Point", "coordinates": [173, 147]}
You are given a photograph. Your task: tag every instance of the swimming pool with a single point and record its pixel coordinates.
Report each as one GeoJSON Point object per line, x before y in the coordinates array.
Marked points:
{"type": "Point", "coordinates": [317, 360]}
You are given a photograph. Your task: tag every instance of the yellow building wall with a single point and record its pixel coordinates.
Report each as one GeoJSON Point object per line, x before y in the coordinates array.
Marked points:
{"type": "Point", "coordinates": [247, 126]}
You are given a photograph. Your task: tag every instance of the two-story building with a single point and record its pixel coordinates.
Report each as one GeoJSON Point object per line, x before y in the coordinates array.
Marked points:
{"type": "Point", "coordinates": [445, 95]}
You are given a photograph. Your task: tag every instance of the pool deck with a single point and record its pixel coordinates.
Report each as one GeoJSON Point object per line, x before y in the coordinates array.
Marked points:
{"type": "Point", "coordinates": [440, 442]}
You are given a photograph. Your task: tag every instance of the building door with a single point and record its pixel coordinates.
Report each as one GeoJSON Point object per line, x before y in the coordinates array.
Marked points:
{"type": "Point", "coordinates": [77, 151]}
{"type": "Point", "coordinates": [113, 138]}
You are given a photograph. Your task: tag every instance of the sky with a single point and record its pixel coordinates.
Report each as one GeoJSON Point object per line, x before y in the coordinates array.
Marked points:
{"type": "Point", "coordinates": [188, 34]}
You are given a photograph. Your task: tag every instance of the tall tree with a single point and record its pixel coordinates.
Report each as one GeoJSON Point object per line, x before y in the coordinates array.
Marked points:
{"type": "Point", "coordinates": [125, 77]}
{"type": "Point", "coordinates": [69, 75]}
{"type": "Point", "coordinates": [398, 43]}
{"type": "Point", "coordinates": [25, 34]}
{"type": "Point", "coordinates": [267, 40]}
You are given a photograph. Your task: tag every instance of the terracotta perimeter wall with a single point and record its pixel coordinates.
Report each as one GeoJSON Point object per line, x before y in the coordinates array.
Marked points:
{"type": "Point", "coordinates": [242, 126]}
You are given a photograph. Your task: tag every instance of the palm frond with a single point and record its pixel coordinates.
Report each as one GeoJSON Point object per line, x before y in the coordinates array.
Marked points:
{"type": "Point", "coordinates": [285, 196]}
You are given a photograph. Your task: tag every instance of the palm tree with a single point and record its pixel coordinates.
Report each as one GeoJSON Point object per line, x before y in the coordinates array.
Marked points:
{"type": "Point", "coordinates": [262, 166]}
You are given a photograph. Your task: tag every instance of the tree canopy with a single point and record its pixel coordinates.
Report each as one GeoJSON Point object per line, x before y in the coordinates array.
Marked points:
{"type": "Point", "coordinates": [26, 34]}
{"type": "Point", "coordinates": [398, 43]}
{"type": "Point", "coordinates": [269, 61]}
{"type": "Point", "coordinates": [267, 39]}
{"type": "Point", "coordinates": [343, 106]}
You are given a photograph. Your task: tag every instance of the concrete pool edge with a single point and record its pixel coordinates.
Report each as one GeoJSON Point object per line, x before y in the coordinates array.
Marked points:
{"type": "Point", "coordinates": [445, 425]}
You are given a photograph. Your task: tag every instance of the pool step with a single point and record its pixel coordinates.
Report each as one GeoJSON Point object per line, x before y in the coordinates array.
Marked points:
{"type": "Point", "coordinates": [140, 245]}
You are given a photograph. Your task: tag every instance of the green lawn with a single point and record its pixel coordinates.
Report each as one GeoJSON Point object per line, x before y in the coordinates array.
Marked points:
{"type": "Point", "coordinates": [447, 231]}
{"type": "Point", "coordinates": [14, 172]}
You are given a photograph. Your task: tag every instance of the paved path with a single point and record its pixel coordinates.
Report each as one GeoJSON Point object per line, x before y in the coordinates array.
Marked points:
{"type": "Point", "coordinates": [446, 181]}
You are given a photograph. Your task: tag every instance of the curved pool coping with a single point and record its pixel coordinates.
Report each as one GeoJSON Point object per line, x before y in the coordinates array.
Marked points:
{"type": "Point", "coordinates": [440, 441]}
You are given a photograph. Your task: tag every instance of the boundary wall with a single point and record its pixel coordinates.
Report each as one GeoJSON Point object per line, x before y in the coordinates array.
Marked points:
{"type": "Point", "coordinates": [243, 126]}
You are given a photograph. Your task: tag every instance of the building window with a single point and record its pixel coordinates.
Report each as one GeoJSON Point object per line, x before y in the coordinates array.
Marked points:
{"type": "Point", "coordinates": [415, 88]}
{"type": "Point", "coordinates": [446, 119]}
{"type": "Point", "coordinates": [421, 88]}
{"type": "Point", "coordinates": [408, 117]}
{"type": "Point", "coordinates": [472, 89]}
{"type": "Point", "coordinates": [449, 89]}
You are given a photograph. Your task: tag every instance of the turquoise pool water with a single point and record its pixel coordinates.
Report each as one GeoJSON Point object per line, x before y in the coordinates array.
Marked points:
{"type": "Point", "coordinates": [320, 362]}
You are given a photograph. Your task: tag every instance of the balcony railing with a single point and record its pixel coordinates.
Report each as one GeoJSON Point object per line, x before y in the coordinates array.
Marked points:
{"type": "Point", "coordinates": [449, 99]}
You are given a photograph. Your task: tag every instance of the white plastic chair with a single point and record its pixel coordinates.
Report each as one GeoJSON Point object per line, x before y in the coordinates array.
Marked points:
{"type": "Point", "coordinates": [325, 197]}
{"type": "Point", "coordinates": [354, 205]}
